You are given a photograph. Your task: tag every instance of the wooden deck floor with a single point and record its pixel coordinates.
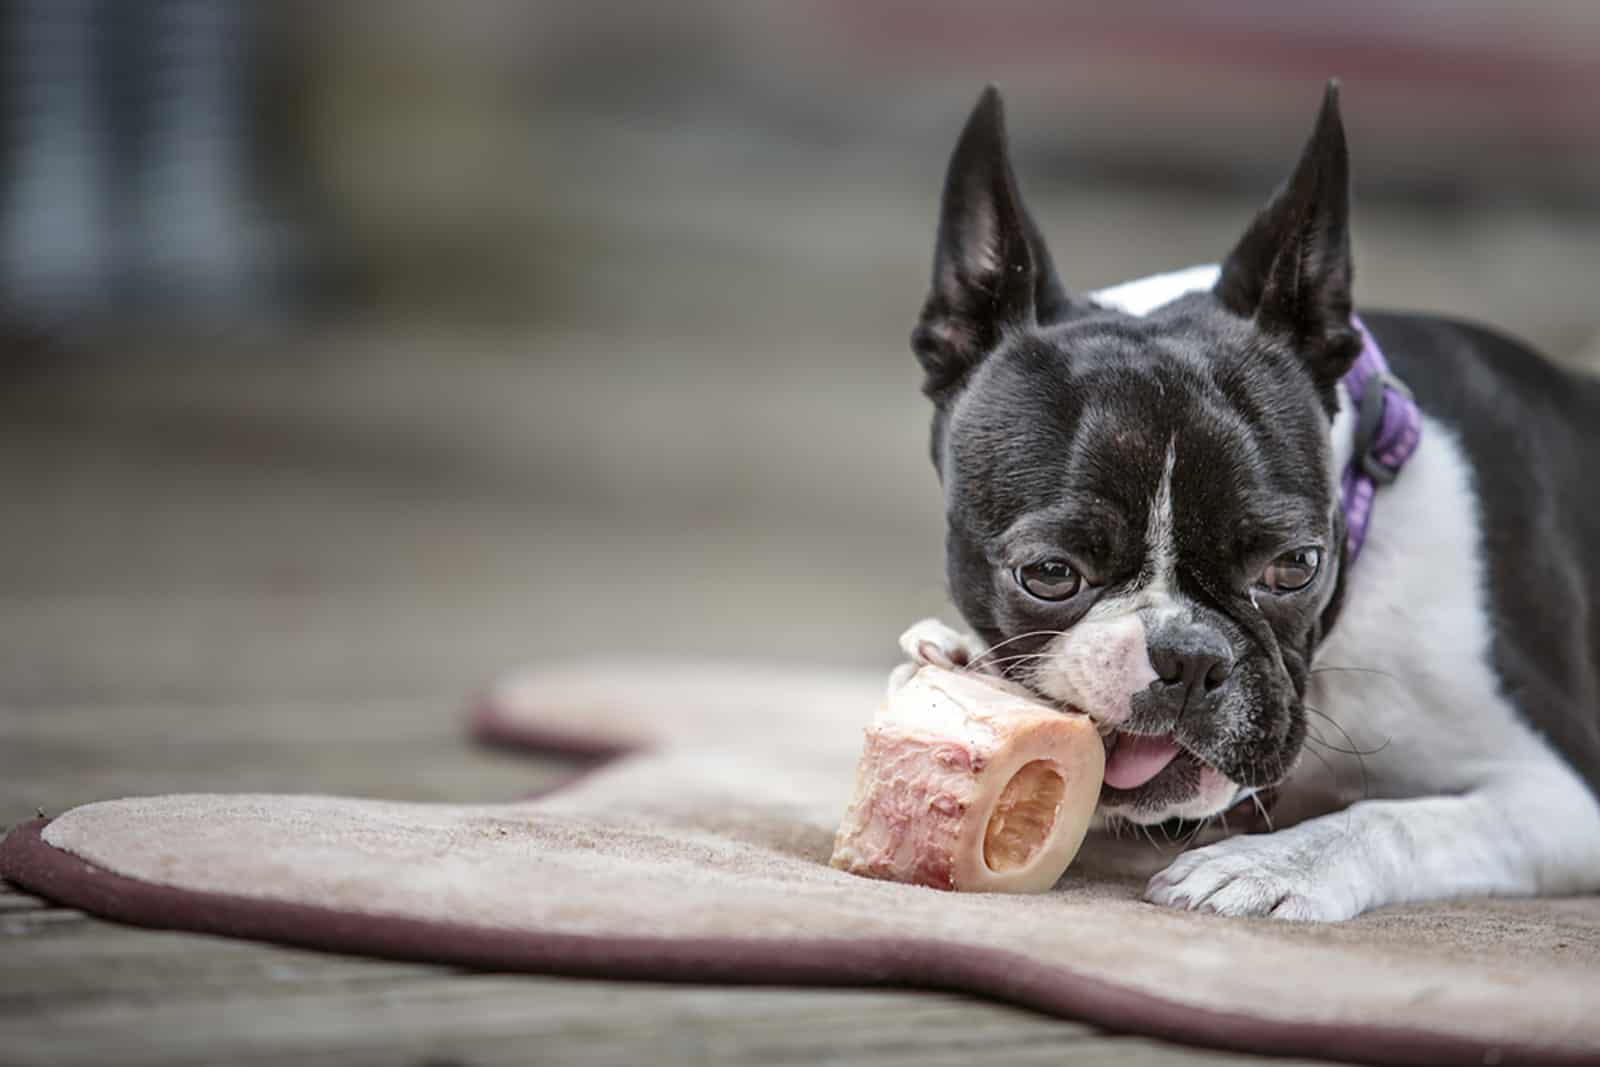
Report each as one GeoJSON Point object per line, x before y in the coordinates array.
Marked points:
{"type": "Point", "coordinates": [233, 572]}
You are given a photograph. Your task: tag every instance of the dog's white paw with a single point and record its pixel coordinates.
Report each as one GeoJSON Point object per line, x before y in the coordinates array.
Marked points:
{"type": "Point", "coordinates": [1274, 875]}
{"type": "Point", "coordinates": [932, 643]}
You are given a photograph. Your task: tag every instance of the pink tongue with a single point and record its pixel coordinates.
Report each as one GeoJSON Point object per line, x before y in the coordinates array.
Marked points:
{"type": "Point", "coordinates": [1136, 760]}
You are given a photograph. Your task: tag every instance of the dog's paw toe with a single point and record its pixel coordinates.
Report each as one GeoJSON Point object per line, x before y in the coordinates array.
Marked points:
{"type": "Point", "coordinates": [1249, 877]}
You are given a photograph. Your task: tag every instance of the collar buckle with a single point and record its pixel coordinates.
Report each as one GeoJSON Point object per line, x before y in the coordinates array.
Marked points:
{"type": "Point", "coordinates": [1369, 425]}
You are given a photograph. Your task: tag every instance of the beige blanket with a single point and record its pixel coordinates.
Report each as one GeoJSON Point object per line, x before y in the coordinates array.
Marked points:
{"type": "Point", "coordinates": [703, 856]}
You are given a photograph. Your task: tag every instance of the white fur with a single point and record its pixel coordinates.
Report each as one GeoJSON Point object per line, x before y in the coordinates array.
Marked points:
{"type": "Point", "coordinates": [1099, 662]}
{"type": "Point", "coordinates": [1453, 794]}
{"type": "Point", "coordinates": [932, 642]}
{"type": "Point", "coordinates": [1161, 544]}
{"type": "Point", "coordinates": [1156, 596]}
{"type": "Point", "coordinates": [1216, 792]}
{"type": "Point", "coordinates": [1144, 295]}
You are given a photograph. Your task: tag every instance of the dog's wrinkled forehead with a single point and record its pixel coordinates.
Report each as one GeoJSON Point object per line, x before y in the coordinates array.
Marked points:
{"type": "Point", "coordinates": [1076, 429]}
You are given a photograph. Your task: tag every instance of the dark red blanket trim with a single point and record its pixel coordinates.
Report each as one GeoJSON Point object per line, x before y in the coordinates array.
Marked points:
{"type": "Point", "coordinates": [487, 725]}
{"type": "Point", "coordinates": [33, 864]}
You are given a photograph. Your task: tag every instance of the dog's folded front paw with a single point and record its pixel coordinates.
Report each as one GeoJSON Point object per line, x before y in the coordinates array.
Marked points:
{"type": "Point", "coordinates": [932, 643]}
{"type": "Point", "coordinates": [1254, 875]}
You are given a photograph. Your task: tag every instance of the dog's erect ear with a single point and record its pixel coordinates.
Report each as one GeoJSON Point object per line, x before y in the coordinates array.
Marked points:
{"type": "Point", "coordinates": [991, 271]}
{"type": "Point", "coordinates": [1290, 272]}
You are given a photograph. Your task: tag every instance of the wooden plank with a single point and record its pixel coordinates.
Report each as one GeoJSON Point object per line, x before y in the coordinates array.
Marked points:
{"type": "Point", "coordinates": [96, 993]}
{"type": "Point", "coordinates": [54, 757]}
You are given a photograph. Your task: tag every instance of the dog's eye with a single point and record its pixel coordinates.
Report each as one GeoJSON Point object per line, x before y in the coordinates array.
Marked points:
{"type": "Point", "coordinates": [1292, 571]}
{"type": "Point", "coordinates": [1049, 579]}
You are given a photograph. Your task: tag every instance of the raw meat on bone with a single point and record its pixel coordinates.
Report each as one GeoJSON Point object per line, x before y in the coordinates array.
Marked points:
{"type": "Point", "coordinates": [970, 783]}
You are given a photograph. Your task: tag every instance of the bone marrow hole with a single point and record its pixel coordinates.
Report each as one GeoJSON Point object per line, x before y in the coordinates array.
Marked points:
{"type": "Point", "coordinates": [1023, 816]}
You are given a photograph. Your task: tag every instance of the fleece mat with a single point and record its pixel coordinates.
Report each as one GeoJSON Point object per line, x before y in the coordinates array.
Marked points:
{"type": "Point", "coordinates": [699, 852]}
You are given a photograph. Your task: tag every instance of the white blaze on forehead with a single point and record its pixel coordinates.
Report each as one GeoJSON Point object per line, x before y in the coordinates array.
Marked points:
{"type": "Point", "coordinates": [1104, 659]}
{"type": "Point", "coordinates": [1161, 548]}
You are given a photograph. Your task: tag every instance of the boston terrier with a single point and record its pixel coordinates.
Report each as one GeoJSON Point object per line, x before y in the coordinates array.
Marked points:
{"type": "Point", "coordinates": [1338, 567]}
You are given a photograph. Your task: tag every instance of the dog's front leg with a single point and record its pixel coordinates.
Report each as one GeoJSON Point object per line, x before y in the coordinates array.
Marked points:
{"type": "Point", "coordinates": [1531, 833]}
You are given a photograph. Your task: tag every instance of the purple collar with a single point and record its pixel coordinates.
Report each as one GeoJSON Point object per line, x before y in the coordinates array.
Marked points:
{"type": "Point", "coordinates": [1388, 427]}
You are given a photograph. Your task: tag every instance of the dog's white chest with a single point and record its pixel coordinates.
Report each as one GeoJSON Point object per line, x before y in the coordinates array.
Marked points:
{"type": "Point", "coordinates": [1403, 699]}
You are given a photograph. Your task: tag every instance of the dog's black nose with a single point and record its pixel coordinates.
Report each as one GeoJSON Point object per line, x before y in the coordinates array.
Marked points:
{"type": "Point", "coordinates": [1191, 663]}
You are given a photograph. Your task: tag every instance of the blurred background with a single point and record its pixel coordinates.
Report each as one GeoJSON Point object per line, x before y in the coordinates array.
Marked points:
{"type": "Point", "coordinates": [355, 352]}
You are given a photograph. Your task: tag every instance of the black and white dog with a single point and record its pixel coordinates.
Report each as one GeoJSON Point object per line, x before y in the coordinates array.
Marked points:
{"type": "Point", "coordinates": [1158, 501]}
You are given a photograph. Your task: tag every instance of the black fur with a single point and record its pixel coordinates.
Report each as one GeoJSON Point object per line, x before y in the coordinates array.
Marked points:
{"type": "Point", "coordinates": [1290, 272]}
{"type": "Point", "coordinates": [991, 271]}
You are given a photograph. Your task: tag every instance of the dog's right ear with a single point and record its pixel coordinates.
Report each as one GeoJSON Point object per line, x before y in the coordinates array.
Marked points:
{"type": "Point", "coordinates": [991, 271]}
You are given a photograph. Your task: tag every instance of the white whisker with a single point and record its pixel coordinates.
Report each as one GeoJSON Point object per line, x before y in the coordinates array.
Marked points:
{"type": "Point", "coordinates": [1262, 809]}
{"type": "Point", "coordinates": [980, 657]}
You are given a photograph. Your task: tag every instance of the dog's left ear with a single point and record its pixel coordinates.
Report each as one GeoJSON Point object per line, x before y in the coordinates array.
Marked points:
{"type": "Point", "coordinates": [1290, 272]}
